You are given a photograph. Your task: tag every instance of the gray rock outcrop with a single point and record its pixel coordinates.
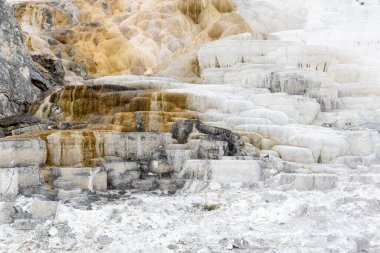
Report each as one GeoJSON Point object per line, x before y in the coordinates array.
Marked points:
{"type": "Point", "coordinates": [21, 80]}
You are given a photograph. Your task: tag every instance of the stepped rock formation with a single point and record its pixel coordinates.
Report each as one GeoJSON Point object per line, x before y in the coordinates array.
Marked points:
{"type": "Point", "coordinates": [191, 126]}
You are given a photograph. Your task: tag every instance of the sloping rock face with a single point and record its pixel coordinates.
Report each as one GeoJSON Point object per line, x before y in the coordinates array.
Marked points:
{"type": "Point", "coordinates": [127, 37]}
{"type": "Point", "coordinates": [20, 80]}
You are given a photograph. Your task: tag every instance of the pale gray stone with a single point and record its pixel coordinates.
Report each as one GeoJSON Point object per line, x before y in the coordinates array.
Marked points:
{"type": "Point", "coordinates": [104, 240]}
{"type": "Point", "coordinates": [7, 212]}
{"type": "Point", "coordinates": [20, 79]}
{"type": "Point", "coordinates": [24, 224]}
{"type": "Point", "coordinates": [22, 153]}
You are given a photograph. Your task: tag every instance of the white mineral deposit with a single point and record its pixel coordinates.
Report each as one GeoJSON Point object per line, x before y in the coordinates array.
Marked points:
{"type": "Point", "coordinates": [203, 126]}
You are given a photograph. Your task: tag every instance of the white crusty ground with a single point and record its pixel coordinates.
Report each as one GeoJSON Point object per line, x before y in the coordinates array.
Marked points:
{"type": "Point", "coordinates": [262, 219]}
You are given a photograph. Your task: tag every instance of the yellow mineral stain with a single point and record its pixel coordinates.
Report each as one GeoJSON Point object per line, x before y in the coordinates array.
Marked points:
{"type": "Point", "coordinates": [224, 5]}
{"type": "Point", "coordinates": [116, 108]}
{"type": "Point", "coordinates": [38, 134]}
{"type": "Point", "coordinates": [41, 16]}
{"type": "Point", "coordinates": [193, 8]}
{"type": "Point", "coordinates": [118, 37]}
{"type": "Point", "coordinates": [89, 148]}
{"type": "Point", "coordinates": [75, 148]}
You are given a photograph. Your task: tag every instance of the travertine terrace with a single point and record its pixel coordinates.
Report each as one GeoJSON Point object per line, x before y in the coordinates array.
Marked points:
{"type": "Point", "coordinates": [190, 126]}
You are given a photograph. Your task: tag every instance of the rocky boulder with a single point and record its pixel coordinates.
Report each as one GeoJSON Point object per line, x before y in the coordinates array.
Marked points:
{"type": "Point", "coordinates": [182, 129]}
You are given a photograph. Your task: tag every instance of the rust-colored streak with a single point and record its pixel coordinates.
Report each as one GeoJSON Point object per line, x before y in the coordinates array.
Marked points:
{"type": "Point", "coordinates": [117, 108]}
{"type": "Point", "coordinates": [89, 148]}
